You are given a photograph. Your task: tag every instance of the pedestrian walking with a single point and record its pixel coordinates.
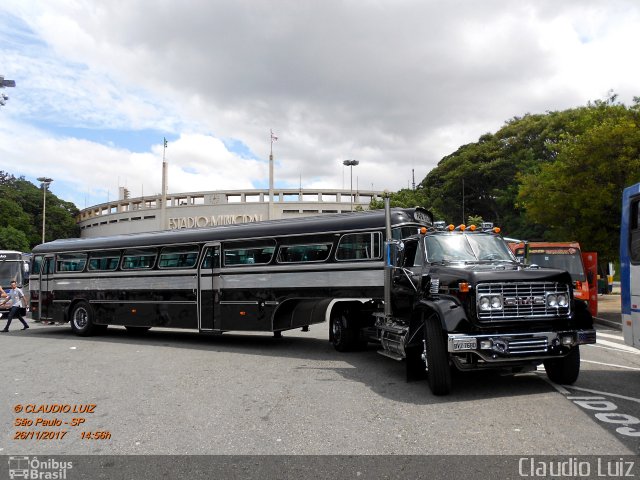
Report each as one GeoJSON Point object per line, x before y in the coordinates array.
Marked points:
{"type": "Point", "coordinates": [16, 297]}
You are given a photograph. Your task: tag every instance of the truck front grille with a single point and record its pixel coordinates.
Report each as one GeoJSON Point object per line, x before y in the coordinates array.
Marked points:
{"type": "Point", "coordinates": [523, 300]}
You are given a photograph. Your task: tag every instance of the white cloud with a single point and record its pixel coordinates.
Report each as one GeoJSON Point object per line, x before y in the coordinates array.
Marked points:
{"type": "Point", "coordinates": [86, 172]}
{"type": "Point", "coordinates": [395, 84]}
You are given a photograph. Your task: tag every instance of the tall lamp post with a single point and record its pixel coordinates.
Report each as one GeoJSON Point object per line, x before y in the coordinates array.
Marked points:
{"type": "Point", "coordinates": [5, 83]}
{"type": "Point", "coordinates": [45, 183]}
{"type": "Point", "coordinates": [351, 164]}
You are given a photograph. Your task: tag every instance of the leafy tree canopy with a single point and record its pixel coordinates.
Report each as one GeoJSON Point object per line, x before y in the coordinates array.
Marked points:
{"type": "Point", "coordinates": [13, 239]}
{"type": "Point", "coordinates": [578, 196]}
{"type": "Point", "coordinates": [21, 212]}
{"type": "Point", "coordinates": [556, 176]}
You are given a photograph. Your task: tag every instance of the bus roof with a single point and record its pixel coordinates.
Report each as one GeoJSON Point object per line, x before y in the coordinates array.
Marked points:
{"type": "Point", "coordinates": [10, 255]}
{"type": "Point", "coordinates": [326, 223]}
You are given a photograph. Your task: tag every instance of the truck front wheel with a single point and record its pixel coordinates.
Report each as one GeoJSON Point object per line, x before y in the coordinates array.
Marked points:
{"type": "Point", "coordinates": [436, 357]}
{"type": "Point", "coordinates": [564, 370]}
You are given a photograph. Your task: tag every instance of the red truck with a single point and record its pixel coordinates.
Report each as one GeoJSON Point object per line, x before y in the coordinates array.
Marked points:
{"type": "Point", "coordinates": [583, 266]}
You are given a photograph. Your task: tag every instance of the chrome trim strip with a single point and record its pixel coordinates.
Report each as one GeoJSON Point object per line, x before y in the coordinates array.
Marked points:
{"type": "Point", "coordinates": [229, 302]}
{"type": "Point", "coordinates": [176, 302]}
{"type": "Point", "coordinates": [518, 341]}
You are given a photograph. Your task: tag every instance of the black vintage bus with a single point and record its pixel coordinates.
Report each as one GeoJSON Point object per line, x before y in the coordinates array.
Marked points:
{"type": "Point", "coordinates": [266, 276]}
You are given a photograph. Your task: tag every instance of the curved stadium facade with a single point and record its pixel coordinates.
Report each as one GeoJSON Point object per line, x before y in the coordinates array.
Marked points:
{"type": "Point", "coordinates": [206, 209]}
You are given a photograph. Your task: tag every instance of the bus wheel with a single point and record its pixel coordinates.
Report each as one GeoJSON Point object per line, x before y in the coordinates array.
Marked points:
{"type": "Point", "coordinates": [343, 335]}
{"type": "Point", "coordinates": [137, 330]}
{"type": "Point", "coordinates": [436, 357]}
{"type": "Point", "coordinates": [564, 370]}
{"type": "Point", "coordinates": [82, 320]}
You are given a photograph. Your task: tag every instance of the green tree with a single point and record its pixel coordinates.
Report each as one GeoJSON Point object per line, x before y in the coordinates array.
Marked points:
{"type": "Point", "coordinates": [405, 198]}
{"type": "Point", "coordinates": [578, 196]}
{"type": "Point", "coordinates": [13, 239]}
{"type": "Point", "coordinates": [481, 178]}
{"type": "Point", "coordinates": [21, 208]}
{"type": "Point", "coordinates": [493, 169]}
{"type": "Point", "coordinates": [474, 220]}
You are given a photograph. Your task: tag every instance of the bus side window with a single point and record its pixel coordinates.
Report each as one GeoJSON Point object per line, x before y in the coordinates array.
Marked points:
{"type": "Point", "coordinates": [178, 257]}
{"type": "Point", "coordinates": [36, 264]}
{"type": "Point", "coordinates": [71, 262]}
{"type": "Point", "coordinates": [211, 258]}
{"type": "Point", "coordinates": [48, 266]}
{"type": "Point", "coordinates": [104, 261]}
{"type": "Point", "coordinates": [634, 232]}
{"type": "Point", "coordinates": [252, 252]}
{"type": "Point", "coordinates": [137, 259]}
{"type": "Point", "coordinates": [359, 246]}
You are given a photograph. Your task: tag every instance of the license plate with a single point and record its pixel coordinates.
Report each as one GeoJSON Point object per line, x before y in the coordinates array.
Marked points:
{"type": "Point", "coordinates": [464, 344]}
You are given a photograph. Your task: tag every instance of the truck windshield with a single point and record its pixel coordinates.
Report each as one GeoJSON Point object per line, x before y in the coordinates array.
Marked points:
{"type": "Point", "coordinates": [568, 259]}
{"type": "Point", "coordinates": [457, 247]}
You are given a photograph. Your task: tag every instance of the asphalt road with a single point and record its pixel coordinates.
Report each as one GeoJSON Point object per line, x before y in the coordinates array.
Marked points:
{"type": "Point", "coordinates": [172, 392]}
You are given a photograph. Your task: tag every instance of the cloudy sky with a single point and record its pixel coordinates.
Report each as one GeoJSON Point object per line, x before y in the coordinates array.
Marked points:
{"type": "Point", "coordinates": [395, 84]}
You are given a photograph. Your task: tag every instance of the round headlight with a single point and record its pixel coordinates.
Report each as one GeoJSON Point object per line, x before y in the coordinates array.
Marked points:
{"type": "Point", "coordinates": [485, 303]}
{"type": "Point", "coordinates": [552, 300]}
{"type": "Point", "coordinates": [563, 300]}
{"type": "Point", "coordinates": [496, 302]}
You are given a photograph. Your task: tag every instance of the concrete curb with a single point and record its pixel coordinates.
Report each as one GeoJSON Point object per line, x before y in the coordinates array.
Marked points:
{"type": "Point", "coordinates": [608, 323]}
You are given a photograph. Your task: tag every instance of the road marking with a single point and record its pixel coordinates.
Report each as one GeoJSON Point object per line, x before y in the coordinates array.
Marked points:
{"type": "Point", "coordinates": [606, 348]}
{"type": "Point", "coordinates": [610, 365]}
{"type": "Point", "coordinates": [626, 348]}
{"type": "Point", "coordinates": [608, 335]}
{"type": "Point", "coordinates": [598, 392]}
{"type": "Point", "coordinates": [607, 411]}
{"type": "Point", "coordinates": [559, 388]}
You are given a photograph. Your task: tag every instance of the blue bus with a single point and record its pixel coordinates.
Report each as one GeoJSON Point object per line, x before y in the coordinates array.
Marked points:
{"type": "Point", "coordinates": [630, 265]}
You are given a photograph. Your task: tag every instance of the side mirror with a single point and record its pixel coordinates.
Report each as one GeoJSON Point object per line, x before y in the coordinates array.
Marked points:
{"type": "Point", "coordinates": [393, 253]}
{"type": "Point", "coordinates": [589, 276]}
{"type": "Point", "coordinates": [425, 283]}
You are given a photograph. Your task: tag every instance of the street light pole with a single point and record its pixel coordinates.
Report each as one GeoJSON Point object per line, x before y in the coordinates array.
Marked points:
{"type": "Point", "coordinates": [45, 182]}
{"type": "Point", "coordinates": [5, 83]}
{"type": "Point", "coordinates": [351, 164]}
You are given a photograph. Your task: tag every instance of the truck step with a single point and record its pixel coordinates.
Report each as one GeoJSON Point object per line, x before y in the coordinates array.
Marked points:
{"type": "Point", "coordinates": [392, 355]}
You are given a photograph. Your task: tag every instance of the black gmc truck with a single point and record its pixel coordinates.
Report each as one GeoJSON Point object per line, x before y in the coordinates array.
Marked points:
{"type": "Point", "coordinates": [456, 297]}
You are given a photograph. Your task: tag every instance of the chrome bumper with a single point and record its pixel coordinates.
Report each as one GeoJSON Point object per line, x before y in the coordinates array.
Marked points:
{"type": "Point", "coordinates": [519, 346]}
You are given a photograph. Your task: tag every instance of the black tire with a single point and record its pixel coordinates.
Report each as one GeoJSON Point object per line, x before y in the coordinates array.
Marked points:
{"type": "Point", "coordinates": [343, 334]}
{"type": "Point", "coordinates": [82, 320]}
{"type": "Point", "coordinates": [564, 370]}
{"type": "Point", "coordinates": [437, 357]}
{"type": "Point", "coordinates": [137, 330]}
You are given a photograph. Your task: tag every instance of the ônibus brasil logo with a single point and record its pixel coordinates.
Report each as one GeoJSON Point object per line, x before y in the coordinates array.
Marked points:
{"type": "Point", "coordinates": [32, 468]}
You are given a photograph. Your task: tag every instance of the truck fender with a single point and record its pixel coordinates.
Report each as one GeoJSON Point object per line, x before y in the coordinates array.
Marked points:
{"type": "Point", "coordinates": [450, 313]}
{"type": "Point", "coordinates": [581, 315]}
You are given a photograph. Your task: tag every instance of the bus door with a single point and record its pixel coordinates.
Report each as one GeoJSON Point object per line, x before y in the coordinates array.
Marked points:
{"type": "Point", "coordinates": [590, 261]}
{"type": "Point", "coordinates": [209, 287]}
{"type": "Point", "coordinates": [45, 297]}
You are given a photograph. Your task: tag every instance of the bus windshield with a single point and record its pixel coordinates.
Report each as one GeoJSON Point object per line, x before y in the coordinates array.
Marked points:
{"type": "Point", "coordinates": [568, 259]}
{"type": "Point", "coordinates": [9, 271]}
{"type": "Point", "coordinates": [466, 248]}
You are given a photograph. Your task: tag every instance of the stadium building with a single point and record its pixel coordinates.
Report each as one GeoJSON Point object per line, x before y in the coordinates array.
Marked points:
{"type": "Point", "coordinates": [205, 209]}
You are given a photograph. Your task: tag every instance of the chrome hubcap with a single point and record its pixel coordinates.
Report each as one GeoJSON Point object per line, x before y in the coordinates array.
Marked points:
{"type": "Point", "coordinates": [337, 330]}
{"type": "Point", "coordinates": [80, 318]}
